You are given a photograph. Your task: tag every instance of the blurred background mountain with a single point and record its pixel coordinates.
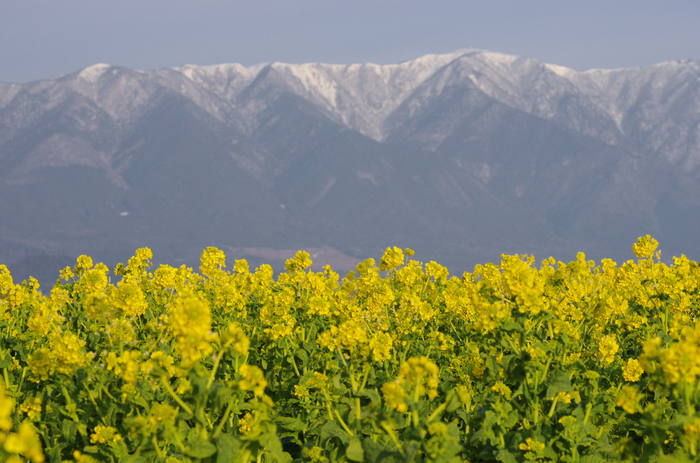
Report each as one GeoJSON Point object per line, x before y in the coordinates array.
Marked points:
{"type": "Point", "coordinates": [461, 157]}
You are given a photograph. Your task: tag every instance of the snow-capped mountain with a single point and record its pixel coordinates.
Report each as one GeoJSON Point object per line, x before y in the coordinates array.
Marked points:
{"type": "Point", "coordinates": [464, 156]}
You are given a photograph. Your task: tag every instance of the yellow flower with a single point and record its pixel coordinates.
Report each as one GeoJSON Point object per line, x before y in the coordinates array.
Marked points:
{"type": "Point", "coordinates": [143, 426]}
{"type": "Point", "coordinates": [83, 263]}
{"type": "Point", "coordinates": [381, 345]}
{"type": "Point", "coordinates": [437, 271]}
{"type": "Point", "coordinates": [190, 323]}
{"type": "Point", "coordinates": [502, 389]}
{"type": "Point", "coordinates": [126, 365]}
{"type": "Point", "coordinates": [644, 247]}
{"type": "Point", "coordinates": [253, 379]}
{"type": "Point", "coordinates": [66, 274]}
{"type": "Point", "coordinates": [626, 399]}
{"type": "Point", "coordinates": [164, 413]}
{"type": "Point", "coordinates": [318, 380]}
{"type": "Point", "coordinates": [104, 434]}
{"type": "Point", "coordinates": [236, 338]}
{"type": "Point", "coordinates": [128, 298]}
{"type": "Point", "coordinates": [241, 266]}
{"type": "Point", "coordinates": [314, 454]}
{"type": "Point", "coordinates": [32, 407]}
{"type": "Point", "coordinates": [301, 391]}
{"type": "Point", "coordinates": [420, 375]}
{"type": "Point", "coordinates": [165, 276]}
{"type": "Point", "coordinates": [7, 405]}
{"type": "Point", "coordinates": [26, 443]}
{"type": "Point", "coordinates": [96, 306]}
{"type": "Point", "coordinates": [95, 280]}
{"type": "Point", "coordinates": [532, 444]}
{"type": "Point", "coordinates": [632, 371]}
{"type": "Point", "coordinates": [391, 259]}
{"type": "Point", "coordinates": [394, 395]}
{"type": "Point", "coordinates": [45, 318]}
{"type": "Point", "coordinates": [245, 423]}
{"type": "Point", "coordinates": [213, 261]}
{"type": "Point", "coordinates": [607, 348]}
{"type": "Point", "coordinates": [691, 432]}
{"type": "Point", "coordinates": [65, 355]}
{"type": "Point", "coordinates": [533, 447]}
{"type": "Point", "coordinates": [301, 261]}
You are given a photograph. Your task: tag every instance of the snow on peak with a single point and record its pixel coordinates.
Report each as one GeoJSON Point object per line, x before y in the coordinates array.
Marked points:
{"type": "Point", "coordinates": [93, 72]}
{"type": "Point", "coordinates": [562, 71]}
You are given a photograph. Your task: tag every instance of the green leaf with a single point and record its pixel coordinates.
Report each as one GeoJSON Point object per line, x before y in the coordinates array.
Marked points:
{"type": "Point", "coordinates": [505, 456]}
{"type": "Point", "coordinates": [371, 394]}
{"type": "Point", "coordinates": [558, 382]}
{"type": "Point", "coordinates": [201, 449]}
{"type": "Point", "coordinates": [331, 429]}
{"type": "Point", "coordinates": [68, 430]}
{"type": "Point", "coordinates": [512, 325]}
{"type": "Point", "coordinates": [303, 355]}
{"type": "Point", "coordinates": [228, 448]}
{"type": "Point", "coordinates": [272, 444]}
{"type": "Point", "coordinates": [354, 450]}
{"type": "Point", "coordinates": [292, 424]}
{"type": "Point", "coordinates": [592, 459]}
{"type": "Point", "coordinates": [134, 459]}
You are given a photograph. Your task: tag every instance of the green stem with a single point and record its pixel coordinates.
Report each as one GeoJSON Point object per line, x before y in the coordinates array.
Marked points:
{"type": "Point", "coordinates": [294, 364]}
{"type": "Point", "coordinates": [94, 404]}
{"type": "Point", "coordinates": [393, 437]}
{"type": "Point", "coordinates": [364, 380]}
{"type": "Point", "coordinates": [342, 357]}
{"type": "Point", "coordinates": [218, 429]}
{"type": "Point", "coordinates": [216, 366]}
{"type": "Point", "coordinates": [588, 412]}
{"type": "Point", "coordinates": [554, 406]}
{"type": "Point", "coordinates": [168, 388]}
{"type": "Point", "coordinates": [154, 439]}
{"type": "Point", "coordinates": [342, 423]}
{"type": "Point", "coordinates": [436, 412]}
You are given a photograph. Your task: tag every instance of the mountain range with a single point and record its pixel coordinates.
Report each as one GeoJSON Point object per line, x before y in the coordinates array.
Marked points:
{"type": "Point", "coordinates": [461, 157]}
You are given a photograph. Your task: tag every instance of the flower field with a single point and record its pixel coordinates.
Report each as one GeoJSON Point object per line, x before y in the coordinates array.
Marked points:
{"type": "Point", "coordinates": [397, 362]}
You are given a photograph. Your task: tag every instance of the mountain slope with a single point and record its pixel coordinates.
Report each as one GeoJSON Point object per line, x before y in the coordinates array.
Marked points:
{"type": "Point", "coordinates": [461, 156]}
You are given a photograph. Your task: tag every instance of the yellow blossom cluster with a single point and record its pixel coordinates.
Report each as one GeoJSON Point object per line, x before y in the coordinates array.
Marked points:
{"type": "Point", "coordinates": [504, 353]}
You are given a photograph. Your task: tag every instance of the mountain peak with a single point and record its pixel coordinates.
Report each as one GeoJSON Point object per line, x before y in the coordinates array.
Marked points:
{"type": "Point", "coordinates": [92, 73]}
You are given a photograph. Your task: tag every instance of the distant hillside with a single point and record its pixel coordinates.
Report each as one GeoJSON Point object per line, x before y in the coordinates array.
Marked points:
{"type": "Point", "coordinates": [462, 157]}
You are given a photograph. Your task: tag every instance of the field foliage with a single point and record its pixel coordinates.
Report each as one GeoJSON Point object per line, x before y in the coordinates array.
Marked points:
{"type": "Point", "coordinates": [396, 362]}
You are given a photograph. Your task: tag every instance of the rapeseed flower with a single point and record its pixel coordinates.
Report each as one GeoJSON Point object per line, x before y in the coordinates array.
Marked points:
{"type": "Point", "coordinates": [189, 321]}
{"type": "Point", "coordinates": [32, 407]}
{"type": "Point", "coordinates": [607, 348]}
{"type": "Point", "coordinates": [213, 261]}
{"type": "Point", "coordinates": [253, 379]}
{"type": "Point", "coordinates": [104, 435]}
{"type": "Point", "coordinates": [395, 395]}
{"type": "Point", "coordinates": [392, 258]}
{"type": "Point", "coordinates": [26, 443]}
{"type": "Point", "coordinates": [128, 298]}
{"type": "Point", "coordinates": [644, 247]}
{"type": "Point", "coordinates": [627, 399]}
{"type": "Point", "coordinates": [632, 370]}
{"type": "Point", "coordinates": [236, 338]}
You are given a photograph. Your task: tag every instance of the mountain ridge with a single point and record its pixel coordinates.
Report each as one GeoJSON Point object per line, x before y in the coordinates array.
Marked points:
{"type": "Point", "coordinates": [462, 156]}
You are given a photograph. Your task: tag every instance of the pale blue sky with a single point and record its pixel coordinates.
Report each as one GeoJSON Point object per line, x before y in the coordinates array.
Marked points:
{"type": "Point", "coordinates": [46, 38]}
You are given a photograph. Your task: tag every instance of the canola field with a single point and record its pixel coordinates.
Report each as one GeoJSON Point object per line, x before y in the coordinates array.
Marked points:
{"type": "Point", "coordinates": [397, 362]}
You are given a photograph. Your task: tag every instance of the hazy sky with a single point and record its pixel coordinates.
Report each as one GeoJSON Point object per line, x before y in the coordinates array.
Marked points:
{"type": "Point", "coordinates": [46, 38]}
